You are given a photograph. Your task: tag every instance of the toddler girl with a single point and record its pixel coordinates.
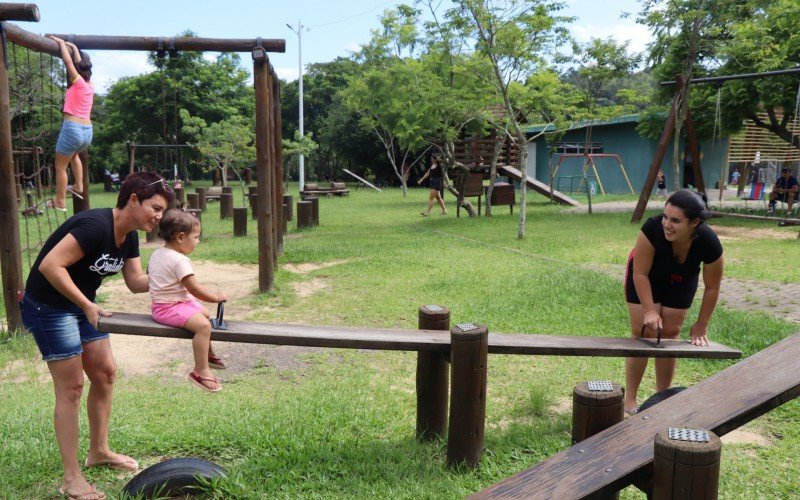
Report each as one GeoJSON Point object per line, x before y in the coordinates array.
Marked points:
{"type": "Point", "coordinates": [174, 287]}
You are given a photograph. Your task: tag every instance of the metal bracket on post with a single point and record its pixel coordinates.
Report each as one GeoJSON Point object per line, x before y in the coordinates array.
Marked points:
{"type": "Point", "coordinates": [649, 342]}
{"type": "Point", "coordinates": [259, 54]}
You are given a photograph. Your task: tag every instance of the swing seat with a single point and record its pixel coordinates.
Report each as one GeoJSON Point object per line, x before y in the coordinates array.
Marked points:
{"type": "Point", "coordinates": [756, 194]}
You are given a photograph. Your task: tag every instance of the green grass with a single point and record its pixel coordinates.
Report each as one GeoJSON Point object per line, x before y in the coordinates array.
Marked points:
{"type": "Point", "coordinates": [343, 423]}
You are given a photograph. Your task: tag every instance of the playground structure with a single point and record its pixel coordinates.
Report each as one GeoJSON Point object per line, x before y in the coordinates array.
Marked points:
{"type": "Point", "coordinates": [590, 161]}
{"type": "Point", "coordinates": [694, 148]}
{"type": "Point", "coordinates": [268, 138]}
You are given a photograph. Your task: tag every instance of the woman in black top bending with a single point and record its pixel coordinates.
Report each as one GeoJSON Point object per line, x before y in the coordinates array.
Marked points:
{"type": "Point", "coordinates": [435, 195]}
{"type": "Point", "coordinates": [661, 280]}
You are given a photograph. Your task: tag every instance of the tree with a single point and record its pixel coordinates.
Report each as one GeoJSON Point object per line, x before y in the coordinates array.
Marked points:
{"type": "Point", "coordinates": [515, 37]}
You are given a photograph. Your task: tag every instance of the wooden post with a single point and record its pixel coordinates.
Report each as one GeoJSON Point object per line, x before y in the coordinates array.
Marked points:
{"type": "Point", "coordinates": [284, 225]}
{"type": "Point", "coordinates": [594, 411]}
{"type": "Point", "coordinates": [433, 374]}
{"type": "Point", "coordinates": [694, 147]}
{"type": "Point", "coordinates": [225, 206]}
{"type": "Point", "coordinates": [288, 201]}
{"type": "Point", "coordinates": [314, 208]}
{"type": "Point", "coordinates": [180, 195]}
{"type": "Point", "coordinates": [304, 214]}
{"type": "Point", "coordinates": [277, 140]}
{"type": "Point", "coordinates": [469, 348]}
{"type": "Point", "coordinates": [131, 156]}
{"type": "Point", "coordinates": [686, 469]}
{"type": "Point", "coordinates": [240, 221]}
{"type": "Point", "coordinates": [10, 250]}
{"type": "Point", "coordinates": [227, 189]}
{"type": "Point", "coordinates": [266, 268]}
{"type": "Point", "coordinates": [254, 205]}
{"type": "Point", "coordinates": [19, 12]}
{"type": "Point", "coordinates": [248, 176]}
{"type": "Point", "coordinates": [201, 195]}
{"type": "Point", "coordinates": [193, 200]}
{"type": "Point", "coordinates": [655, 165]}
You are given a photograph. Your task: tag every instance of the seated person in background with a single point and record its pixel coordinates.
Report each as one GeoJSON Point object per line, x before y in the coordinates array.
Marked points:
{"type": "Point", "coordinates": [785, 189]}
{"type": "Point", "coordinates": [115, 177]}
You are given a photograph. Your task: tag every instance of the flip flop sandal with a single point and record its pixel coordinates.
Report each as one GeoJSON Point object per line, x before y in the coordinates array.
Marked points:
{"type": "Point", "coordinates": [74, 193]}
{"type": "Point", "coordinates": [631, 412]}
{"type": "Point", "coordinates": [93, 492]}
{"type": "Point", "coordinates": [216, 362]}
{"type": "Point", "coordinates": [198, 381]}
{"type": "Point", "coordinates": [52, 204]}
{"type": "Point", "coordinates": [126, 464]}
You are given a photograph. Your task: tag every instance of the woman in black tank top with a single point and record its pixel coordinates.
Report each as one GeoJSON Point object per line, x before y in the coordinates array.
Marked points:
{"type": "Point", "coordinates": [435, 195]}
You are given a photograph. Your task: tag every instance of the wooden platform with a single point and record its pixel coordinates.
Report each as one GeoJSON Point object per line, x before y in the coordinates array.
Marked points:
{"type": "Point", "coordinates": [415, 340]}
{"type": "Point", "coordinates": [539, 187]}
{"type": "Point", "coordinates": [623, 454]}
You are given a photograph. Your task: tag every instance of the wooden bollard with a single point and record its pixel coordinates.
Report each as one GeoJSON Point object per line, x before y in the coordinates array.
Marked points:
{"type": "Point", "coordinates": [314, 208]}
{"type": "Point", "coordinates": [288, 202]}
{"type": "Point", "coordinates": [225, 205]}
{"type": "Point", "coordinates": [254, 205]}
{"type": "Point", "coordinates": [433, 374]}
{"type": "Point", "coordinates": [227, 189]}
{"type": "Point", "coordinates": [193, 200]}
{"type": "Point", "coordinates": [240, 221]}
{"type": "Point", "coordinates": [180, 195]}
{"type": "Point", "coordinates": [201, 193]}
{"type": "Point", "coordinates": [284, 220]}
{"type": "Point", "coordinates": [686, 469]}
{"type": "Point", "coordinates": [596, 406]}
{"type": "Point", "coordinates": [303, 214]}
{"type": "Point", "coordinates": [469, 348]}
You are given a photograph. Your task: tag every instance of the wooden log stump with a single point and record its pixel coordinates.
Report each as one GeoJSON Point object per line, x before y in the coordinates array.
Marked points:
{"type": "Point", "coordinates": [469, 348]}
{"type": "Point", "coordinates": [686, 469]}
{"type": "Point", "coordinates": [433, 374]}
{"type": "Point", "coordinates": [303, 214]}
{"type": "Point", "coordinates": [201, 193]}
{"type": "Point", "coordinates": [254, 205]}
{"type": "Point", "coordinates": [226, 205]}
{"type": "Point", "coordinates": [314, 208]}
{"type": "Point", "coordinates": [289, 202]}
{"type": "Point", "coordinates": [284, 221]}
{"type": "Point", "coordinates": [240, 221]}
{"type": "Point", "coordinates": [193, 200]}
{"type": "Point", "coordinates": [180, 195]}
{"type": "Point", "coordinates": [595, 410]}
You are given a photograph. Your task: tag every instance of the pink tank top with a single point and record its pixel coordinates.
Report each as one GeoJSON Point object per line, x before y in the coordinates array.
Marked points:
{"type": "Point", "coordinates": [78, 99]}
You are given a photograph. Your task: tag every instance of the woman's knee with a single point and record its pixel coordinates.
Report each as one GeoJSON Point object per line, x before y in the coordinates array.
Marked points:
{"type": "Point", "coordinates": [105, 373]}
{"type": "Point", "coordinates": [69, 390]}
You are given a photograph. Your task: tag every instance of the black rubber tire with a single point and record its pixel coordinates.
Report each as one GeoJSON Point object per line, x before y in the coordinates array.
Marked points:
{"type": "Point", "coordinates": [171, 477]}
{"type": "Point", "coordinates": [659, 397]}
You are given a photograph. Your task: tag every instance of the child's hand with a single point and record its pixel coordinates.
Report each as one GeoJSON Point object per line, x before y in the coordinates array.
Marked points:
{"type": "Point", "coordinates": [222, 297]}
{"type": "Point", "coordinates": [57, 39]}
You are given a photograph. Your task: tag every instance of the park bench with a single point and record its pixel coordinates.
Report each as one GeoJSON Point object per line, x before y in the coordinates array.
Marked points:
{"type": "Point", "coordinates": [473, 187]}
{"type": "Point", "coordinates": [503, 194]}
{"type": "Point", "coordinates": [623, 454]}
{"type": "Point", "coordinates": [213, 193]}
{"type": "Point", "coordinates": [334, 188]}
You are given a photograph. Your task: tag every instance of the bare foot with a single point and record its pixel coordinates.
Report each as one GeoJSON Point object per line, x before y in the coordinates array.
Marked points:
{"type": "Point", "coordinates": [80, 489]}
{"type": "Point", "coordinates": [112, 460]}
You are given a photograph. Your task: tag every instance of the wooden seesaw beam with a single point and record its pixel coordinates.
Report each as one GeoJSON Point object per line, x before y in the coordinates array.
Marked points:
{"type": "Point", "coordinates": [395, 339]}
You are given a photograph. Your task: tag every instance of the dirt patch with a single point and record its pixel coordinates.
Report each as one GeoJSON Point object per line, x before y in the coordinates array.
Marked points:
{"type": "Point", "coordinates": [139, 355]}
{"type": "Point", "coordinates": [744, 436]}
{"type": "Point", "coordinates": [24, 370]}
{"type": "Point", "coordinates": [308, 267]}
{"type": "Point", "coordinates": [751, 233]}
{"type": "Point", "coordinates": [308, 288]}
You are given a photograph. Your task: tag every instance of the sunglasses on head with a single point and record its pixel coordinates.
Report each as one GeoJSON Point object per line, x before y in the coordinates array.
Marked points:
{"type": "Point", "coordinates": [163, 183]}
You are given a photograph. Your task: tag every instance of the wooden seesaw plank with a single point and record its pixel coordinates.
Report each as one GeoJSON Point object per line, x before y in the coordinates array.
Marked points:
{"type": "Point", "coordinates": [414, 340]}
{"type": "Point", "coordinates": [623, 454]}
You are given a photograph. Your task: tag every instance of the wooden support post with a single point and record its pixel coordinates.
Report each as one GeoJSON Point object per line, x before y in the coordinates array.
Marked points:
{"type": "Point", "coordinates": [227, 189]}
{"type": "Point", "coordinates": [686, 469]}
{"type": "Point", "coordinates": [193, 200]}
{"type": "Point", "coordinates": [248, 176]}
{"type": "Point", "coordinates": [469, 348]}
{"type": "Point", "coordinates": [284, 225]}
{"type": "Point", "coordinates": [225, 206]}
{"type": "Point", "coordinates": [266, 222]}
{"type": "Point", "coordinates": [201, 196]}
{"type": "Point", "coordinates": [19, 12]}
{"type": "Point", "coordinates": [314, 208]}
{"type": "Point", "coordinates": [10, 249]}
{"type": "Point", "coordinates": [304, 214]}
{"type": "Point", "coordinates": [180, 195]}
{"type": "Point", "coordinates": [655, 165]}
{"type": "Point", "coordinates": [694, 148]}
{"type": "Point", "coordinates": [594, 411]}
{"type": "Point", "coordinates": [240, 221]}
{"type": "Point", "coordinates": [433, 374]}
{"type": "Point", "coordinates": [254, 205]}
{"type": "Point", "coordinates": [131, 156]}
{"type": "Point", "coordinates": [288, 201]}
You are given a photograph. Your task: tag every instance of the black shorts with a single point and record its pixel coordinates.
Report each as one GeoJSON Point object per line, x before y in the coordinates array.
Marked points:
{"type": "Point", "coordinates": [667, 292]}
{"type": "Point", "coordinates": [436, 183]}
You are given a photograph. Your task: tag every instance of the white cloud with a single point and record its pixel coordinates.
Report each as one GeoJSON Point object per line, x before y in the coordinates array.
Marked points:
{"type": "Point", "coordinates": [288, 74]}
{"type": "Point", "coordinates": [636, 35]}
{"type": "Point", "coordinates": [110, 66]}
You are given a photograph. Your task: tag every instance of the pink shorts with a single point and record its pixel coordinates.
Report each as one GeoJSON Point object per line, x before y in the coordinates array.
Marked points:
{"type": "Point", "coordinates": [175, 313]}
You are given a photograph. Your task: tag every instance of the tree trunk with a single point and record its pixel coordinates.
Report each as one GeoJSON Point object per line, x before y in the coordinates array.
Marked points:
{"type": "Point", "coordinates": [523, 168]}
{"type": "Point", "coordinates": [498, 145]}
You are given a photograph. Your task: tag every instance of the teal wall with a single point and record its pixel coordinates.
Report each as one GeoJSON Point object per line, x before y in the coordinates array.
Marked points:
{"type": "Point", "coordinates": [635, 151]}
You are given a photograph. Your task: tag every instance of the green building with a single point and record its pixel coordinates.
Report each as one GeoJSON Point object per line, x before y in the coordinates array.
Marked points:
{"type": "Point", "coordinates": [617, 136]}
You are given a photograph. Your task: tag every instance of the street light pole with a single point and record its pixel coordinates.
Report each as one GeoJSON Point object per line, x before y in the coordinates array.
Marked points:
{"type": "Point", "coordinates": [301, 160]}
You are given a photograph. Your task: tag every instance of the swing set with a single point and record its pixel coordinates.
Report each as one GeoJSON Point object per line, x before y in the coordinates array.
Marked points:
{"type": "Point", "coordinates": [590, 162]}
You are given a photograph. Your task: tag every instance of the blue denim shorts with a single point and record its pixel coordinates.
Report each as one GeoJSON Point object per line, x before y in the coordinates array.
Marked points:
{"type": "Point", "coordinates": [59, 331]}
{"type": "Point", "coordinates": [73, 138]}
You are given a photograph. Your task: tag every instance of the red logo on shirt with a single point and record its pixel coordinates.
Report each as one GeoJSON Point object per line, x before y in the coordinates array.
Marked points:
{"type": "Point", "coordinates": [675, 278]}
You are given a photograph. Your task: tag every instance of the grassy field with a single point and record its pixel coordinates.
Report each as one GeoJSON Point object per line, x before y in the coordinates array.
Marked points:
{"type": "Point", "coordinates": [342, 424]}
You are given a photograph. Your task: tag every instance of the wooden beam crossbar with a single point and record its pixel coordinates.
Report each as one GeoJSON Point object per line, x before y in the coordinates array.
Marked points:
{"type": "Point", "coordinates": [415, 340]}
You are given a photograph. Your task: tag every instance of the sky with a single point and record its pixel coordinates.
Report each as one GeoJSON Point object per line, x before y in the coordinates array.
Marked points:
{"type": "Point", "coordinates": [331, 28]}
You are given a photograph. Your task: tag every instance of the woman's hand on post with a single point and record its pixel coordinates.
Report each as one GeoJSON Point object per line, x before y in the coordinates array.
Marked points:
{"type": "Point", "coordinates": [93, 313]}
{"type": "Point", "coordinates": [222, 297]}
{"type": "Point", "coordinates": [652, 320]}
{"type": "Point", "coordinates": [699, 334]}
